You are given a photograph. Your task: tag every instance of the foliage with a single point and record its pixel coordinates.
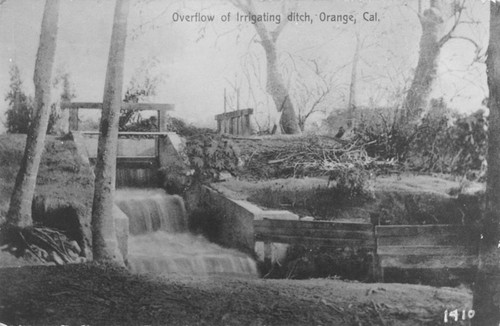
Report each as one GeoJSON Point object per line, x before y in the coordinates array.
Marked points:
{"type": "Point", "coordinates": [443, 141]}
{"type": "Point", "coordinates": [210, 154]}
{"type": "Point", "coordinates": [351, 182]}
{"type": "Point", "coordinates": [143, 85]}
{"type": "Point", "coordinates": [62, 82]}
{"type": "Point", "coordinates": [21, 106]}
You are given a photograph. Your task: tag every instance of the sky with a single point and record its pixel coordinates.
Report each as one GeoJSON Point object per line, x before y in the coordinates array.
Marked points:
{"type": "Point", "coordinates": [198, 60]}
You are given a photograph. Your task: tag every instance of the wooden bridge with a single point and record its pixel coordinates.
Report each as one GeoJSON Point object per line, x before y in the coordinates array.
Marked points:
{"type": "Point", "coordinates": [140, 154]}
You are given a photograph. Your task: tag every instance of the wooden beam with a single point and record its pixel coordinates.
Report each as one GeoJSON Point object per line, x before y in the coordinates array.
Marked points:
{"type": "Point", "coordinates": [131, 133]}
{"type": "Point", "coordinates": [124, 106]}
{"type": "Point", "coordinates": [317, 242]}
{"type": "Point", "coordinates": [319, 233]}
{"type": "Point", "coordinates": [233, 114]}
{"type": "Point", "coordinates": [325, 225]}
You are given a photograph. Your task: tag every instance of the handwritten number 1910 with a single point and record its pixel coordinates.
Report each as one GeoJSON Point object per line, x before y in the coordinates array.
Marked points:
{"type": "Point", "coordinates": [455, 315]}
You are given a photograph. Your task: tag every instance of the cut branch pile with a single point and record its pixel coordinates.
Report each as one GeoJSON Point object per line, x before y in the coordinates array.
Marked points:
{"type": "Point", "coordinates": [305, 156]}
{"type": "Point", "coordinates": [40, 244]}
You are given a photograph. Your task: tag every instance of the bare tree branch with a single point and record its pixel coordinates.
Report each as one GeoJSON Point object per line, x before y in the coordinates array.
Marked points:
{"type": "Point", "coordinates": [458, 15]}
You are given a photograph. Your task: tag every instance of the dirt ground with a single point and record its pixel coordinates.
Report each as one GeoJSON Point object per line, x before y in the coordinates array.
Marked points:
{"type": "Point", "coordinates": [89, 294]}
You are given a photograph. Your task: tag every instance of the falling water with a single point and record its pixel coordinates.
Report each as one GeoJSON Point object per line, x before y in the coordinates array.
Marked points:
{"type": "Point", "coordinates": [160, 243]}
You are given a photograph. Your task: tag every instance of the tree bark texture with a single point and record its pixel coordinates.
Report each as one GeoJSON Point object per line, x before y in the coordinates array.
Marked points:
{"type": "Point", "coordinates": [19, 213]}
{"type": "Point", "coordinates": [487, 286]}
{"type": "Point", "coordinates": [104, 242]}
{"type": "Point", "coordinates": [425, 72]}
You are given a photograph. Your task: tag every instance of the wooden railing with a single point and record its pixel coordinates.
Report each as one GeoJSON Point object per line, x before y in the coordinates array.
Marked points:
{"type": "Point", "coordinates": [161, 109]}
{"type": "Point", "coordinates": [141, 167]}
{"type": "Point", "coordinates": [235, 122]}
{"type": "Point", "coordinates": [399, 246]}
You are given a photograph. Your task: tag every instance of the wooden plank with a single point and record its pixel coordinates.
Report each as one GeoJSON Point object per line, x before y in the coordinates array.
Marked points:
{"type": "Point", "coordinates": [137, 162]}
{"type": "Point", "coordinates": [429, 240]}
{"type": "Point", "coordinates": [124, 106]}
{"type": "Point", "coordinates": [425, 250]}
{"type": "Point", "coordinates": [319, 232]}
{"type": "Point", "coordinates": [428, 262]}
{"type": "Point", "coordinates": [317, 242]}
{"type": "Point", "coordinates": [414, 230]}
{"type": "Point", "coordinates": [326, 225]}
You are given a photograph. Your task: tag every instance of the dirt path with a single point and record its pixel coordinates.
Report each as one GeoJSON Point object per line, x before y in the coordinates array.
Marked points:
{"type": "Point", "coordinates": [101, 295]}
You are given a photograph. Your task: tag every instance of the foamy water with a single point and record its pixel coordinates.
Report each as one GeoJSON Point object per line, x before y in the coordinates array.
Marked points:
{"type": "Point", "coordinates": [159, 242]}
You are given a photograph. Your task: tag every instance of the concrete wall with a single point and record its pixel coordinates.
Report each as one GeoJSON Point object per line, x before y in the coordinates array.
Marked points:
{"type": "Point", "coordinates": [236, 223]}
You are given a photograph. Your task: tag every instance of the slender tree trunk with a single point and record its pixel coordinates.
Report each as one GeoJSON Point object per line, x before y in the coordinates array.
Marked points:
{"type": "Point", "coordinates": [351, 107]}
{"type": "Point", "coordinates": [487, 285]}
{"type": "Point", "coordinates": [425, 72]}
{"type": "Point", "coordinates": [276, 88]}
{"type": "Point", "coordinates": [19, 213]}
{"type": "Point", "coordinates": [104, 243]}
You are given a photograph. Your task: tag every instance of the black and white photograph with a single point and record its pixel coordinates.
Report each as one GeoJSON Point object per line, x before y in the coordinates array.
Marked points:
{"type": "Point", "coordinates": [250, 162]}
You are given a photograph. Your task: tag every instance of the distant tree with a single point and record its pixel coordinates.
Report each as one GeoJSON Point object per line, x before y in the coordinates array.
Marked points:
{"type": "Point", "coordinates": [20, 111]}
{"type": "Point", "coordinates": [142, 86]}
{"type": "Point", "coordinates": [312, 87]}
{"type": "Point", "coordinates": [20, 105]}
{"type": "Point", "coordinates": [275, 85]}
{"type": "Point", "coordinates": [351, 105]}
{"type": "Point", "coordinates": [59, 117]}
{"type": "Point", "coordinates": [104, 243]}
{"type": "Point", "coordinates": [487, 285]}
{"type": "Point", "coordinates": [435, 34]}
{"type": "Point", "coordinates": [19, 213]}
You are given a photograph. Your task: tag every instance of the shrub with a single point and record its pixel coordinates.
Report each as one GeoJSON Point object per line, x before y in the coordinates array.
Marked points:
{"type": "Point", "coordinates": [442, 141]}
{"type": "Point", "coordinates": [210, 154]}
{"type": "Point", "coordinates": [21, 106]}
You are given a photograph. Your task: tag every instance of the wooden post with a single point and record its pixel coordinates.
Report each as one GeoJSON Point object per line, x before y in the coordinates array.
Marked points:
{"type": "Point", "coordinates": [162, 121]}
{"type": "Point", "coordinates": [219, 123]}
{"type": "Point", "coordinates": [247, 128]}
{"type": "Point", "coordinates": [268, 253]}
{"type": "Point", "coordinates": [73, 119]}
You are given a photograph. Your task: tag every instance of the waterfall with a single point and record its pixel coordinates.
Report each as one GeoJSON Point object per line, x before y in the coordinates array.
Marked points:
{"type": "Point", "coordinates": [160, 243]}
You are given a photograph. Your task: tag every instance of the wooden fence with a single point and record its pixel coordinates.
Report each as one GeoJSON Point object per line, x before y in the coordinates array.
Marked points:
{"type": "Point", "coordinates": [235, 122]}
{"type": "Point", "coordinates": [426, 247]}
{"type": "Point", "coordinates": [400, 246]}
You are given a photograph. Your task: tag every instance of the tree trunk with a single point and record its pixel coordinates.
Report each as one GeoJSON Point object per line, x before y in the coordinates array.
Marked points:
{"type": "Point", "coordinates": [351, 107]}
{"type": "Point", "coordinates": [275, 85]}
{"type": "Point", "coordinates": [276, 88]}
{"type": "Point", "coordinates": [425, 72]}
{"type": "Point", "coordinates": [487, 285]}
{"type": "Point", "coordinates": [104, 242]}
{"type": "Point", "coordinates": [19, 213]}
